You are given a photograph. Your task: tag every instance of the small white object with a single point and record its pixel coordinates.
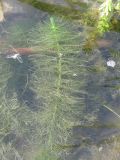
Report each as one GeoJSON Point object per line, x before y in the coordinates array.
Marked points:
{"type": "Point", "coordinates": [100, 149]}
{"type": "Point", "coordinates": [111, 63]}
{"type": "Point", "coordinates": [15, 56]}
{"type": "Point", "coordinates": [60, 54]}
{"type": "Point", "coordinates": [74, 75]}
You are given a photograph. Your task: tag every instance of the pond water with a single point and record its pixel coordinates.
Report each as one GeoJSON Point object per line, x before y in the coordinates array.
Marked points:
{"type": "Point", "coordinates": [59, 100]}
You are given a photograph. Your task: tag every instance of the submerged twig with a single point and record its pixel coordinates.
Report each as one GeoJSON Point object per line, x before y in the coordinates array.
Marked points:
{"type": "Point", "coordinates": [112, 111]}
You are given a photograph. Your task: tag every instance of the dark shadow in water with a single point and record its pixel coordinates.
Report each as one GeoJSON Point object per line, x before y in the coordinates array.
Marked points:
{"type": "Point", "coordinates": [19, 83]}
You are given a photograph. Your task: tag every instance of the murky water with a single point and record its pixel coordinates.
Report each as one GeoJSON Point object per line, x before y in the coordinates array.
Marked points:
{"type": "Point", "coordinates": [56, 100]}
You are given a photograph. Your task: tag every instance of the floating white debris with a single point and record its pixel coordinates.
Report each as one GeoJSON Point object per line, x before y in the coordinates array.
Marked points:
{"type": "Point", "coordinates": [60, 54]}
{"type": "Point", "coordinates": [100, 149]}
{"type": "Point", "coordinates": [15, 56]}
{"type": "Point", "coordinates": [111, 63]}
{"type": "Point", "coordinates": [74, 75]}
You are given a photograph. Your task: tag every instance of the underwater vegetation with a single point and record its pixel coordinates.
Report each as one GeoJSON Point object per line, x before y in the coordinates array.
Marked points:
{"type": "Point", "coordinates": [107, 11]}
{"type": "Point", "coordinates": [46, 80]}
{"type": "Point", "coordinates": [100, 16]}
{"type": "Point", "coordinates": [57, 79]}
{"type": "Point", "coordinates": [56, 89]}
{"type": "Point", "coordinates": [48, 90]}
{"type": "Point", "coordinates": [14, 100]}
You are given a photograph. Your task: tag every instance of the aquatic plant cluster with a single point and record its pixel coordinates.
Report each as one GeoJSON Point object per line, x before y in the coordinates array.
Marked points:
{"type": "Point", "coordinates": [106, 11]}
{"type": "Point", "coordinates": [44, 97]}
{"type": "Point", "coordinates": [48, 95]}
{"type": "Point", "coordinates": [99, 14]}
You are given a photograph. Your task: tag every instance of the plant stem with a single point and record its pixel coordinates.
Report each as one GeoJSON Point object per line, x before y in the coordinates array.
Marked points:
{"type": "Point", "coordinates": [112, 111]}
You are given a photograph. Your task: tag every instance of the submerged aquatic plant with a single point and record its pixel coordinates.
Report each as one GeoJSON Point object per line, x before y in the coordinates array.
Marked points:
{"type": "Point", "coordinates": [16, 110]}
{"type": "Point", "coordinates": [55, 76]}
{"type": "Point", "coordinates": [54, 38]}
{"type": "Point", "coordinates": [5, 115]}
{"type": "Point", "coordinates": [106, 10]}
{"type": "Point", "coordinates": [59, 79]}
{"type": "Point", "coordinates": [17, 33]}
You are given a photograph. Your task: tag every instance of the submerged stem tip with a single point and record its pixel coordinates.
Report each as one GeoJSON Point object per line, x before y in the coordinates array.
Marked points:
{"type": "Point", "coordinates": [52, 23]}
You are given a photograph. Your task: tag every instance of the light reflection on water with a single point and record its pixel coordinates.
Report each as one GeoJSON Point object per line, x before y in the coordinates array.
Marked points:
{"type": "Point", "coordinates": [95, 129]}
